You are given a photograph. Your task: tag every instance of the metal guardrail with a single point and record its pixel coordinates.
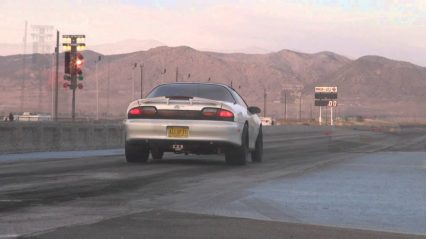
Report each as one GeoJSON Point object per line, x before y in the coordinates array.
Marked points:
{"type": "Point", "coordinates": [29, 119]}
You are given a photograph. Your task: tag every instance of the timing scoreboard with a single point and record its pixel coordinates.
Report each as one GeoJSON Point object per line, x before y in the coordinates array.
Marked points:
{"type": "Point", "coordinates": [326, 96]}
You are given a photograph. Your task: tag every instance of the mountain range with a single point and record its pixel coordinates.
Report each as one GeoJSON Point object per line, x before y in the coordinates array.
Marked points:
{"type": "Point", "coordinates": [370, 86]}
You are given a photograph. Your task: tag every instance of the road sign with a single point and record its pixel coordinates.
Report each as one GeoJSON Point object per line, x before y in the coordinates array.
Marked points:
{"type": "Point", "coordinates": [329, 103]}
{"type": "Point", "coordinates": [332, 103]}
{"type": "Point", "coordinates": [328, 89]}
{"type": "Point", "coordinates": [328, 95]}
{"type": "Point", "coordinates": [321, 102]}
{"type": "Point", "coordinates": [325, 94]}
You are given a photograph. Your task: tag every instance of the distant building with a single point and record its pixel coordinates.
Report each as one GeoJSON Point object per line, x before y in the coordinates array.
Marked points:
{"type": "Point", "coordinates": [42, 39]}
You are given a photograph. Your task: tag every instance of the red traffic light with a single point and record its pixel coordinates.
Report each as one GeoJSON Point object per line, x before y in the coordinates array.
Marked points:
{"type": "Point", "coordinates": [80, 60]}
{"type": "Point", "coordinates": [66, 85]}
{"type": "Point", "coordinates": [80, 86]}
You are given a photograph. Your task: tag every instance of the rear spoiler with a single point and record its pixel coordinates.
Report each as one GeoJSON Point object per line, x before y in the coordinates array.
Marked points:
{"type": "Point", "coordinates": [181, 99]}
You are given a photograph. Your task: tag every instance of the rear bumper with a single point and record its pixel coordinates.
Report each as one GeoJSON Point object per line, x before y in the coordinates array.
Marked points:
{"type": "Point", "coordinates": [155, 130]}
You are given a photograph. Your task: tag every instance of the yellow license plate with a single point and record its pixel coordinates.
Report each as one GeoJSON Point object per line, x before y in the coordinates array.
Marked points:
{"type": "Point", "coordinates": [178, 132]}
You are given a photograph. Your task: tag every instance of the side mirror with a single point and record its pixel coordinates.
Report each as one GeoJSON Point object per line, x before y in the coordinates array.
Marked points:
{"type": "Point", "coordinates": [254, 110]}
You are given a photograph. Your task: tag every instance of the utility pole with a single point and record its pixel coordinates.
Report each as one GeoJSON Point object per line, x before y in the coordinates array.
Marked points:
{"type": "Point", "coordinates": [264, 102]}
{"type": "Point", "coordinates": [300, 107]}
{"type": "Point", "coordinates": [56, 76]}
{"type": "Point", "coordinates": [52, 85]}
{"type": "Point", "coordinates": [97, 87]}
{"type": "Point", "coordinates": [23, 68]}
{"type": "Point", "coordinates": [320, 116]}
{"type": "Point", "coordinates": [135, 65]}
{"type": "Point", "coordinates": [285, 105]}
{"type": "Point", "coordinates": [141, 66]}
{"type": "Point", "coordinates": [177, 73]}
{"type": "Point", "coordinates": [108, 87]}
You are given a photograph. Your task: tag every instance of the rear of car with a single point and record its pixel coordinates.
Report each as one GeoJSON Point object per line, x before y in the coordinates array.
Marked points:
{"type": "Point", "coordinates": [186, 118]}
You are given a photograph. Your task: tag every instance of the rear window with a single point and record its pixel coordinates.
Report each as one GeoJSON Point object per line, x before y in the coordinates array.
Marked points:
{"type": "Point", "coordinates": [212, 92]}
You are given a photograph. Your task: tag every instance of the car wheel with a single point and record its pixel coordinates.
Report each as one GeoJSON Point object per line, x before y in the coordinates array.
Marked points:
{"type": "Point", "coordinates": [157, 154]}
{"type": "Point", "coordinates": [136, 153]}
{"type": "Point", "coordinates": [238, 155]}
{"type": "Point", "coordinates": [256, 155]}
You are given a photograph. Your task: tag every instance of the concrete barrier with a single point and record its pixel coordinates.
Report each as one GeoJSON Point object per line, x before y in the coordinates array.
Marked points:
{"type": "Point", "coordinates": [20, 137]}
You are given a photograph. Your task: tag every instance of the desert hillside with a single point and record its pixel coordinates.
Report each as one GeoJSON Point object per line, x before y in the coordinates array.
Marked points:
{"type": "Point", "coordinates": [371, 86]}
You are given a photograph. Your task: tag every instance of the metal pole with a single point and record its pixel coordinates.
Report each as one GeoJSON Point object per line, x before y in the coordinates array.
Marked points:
{"type": "Point", "coordinates": [141, 66]}
{"type": "Point", "coordinates": [331, 116]}
{"type": "Point", "coordinates": [97, 89]}
{"type": "Point", "coordinates": [320, 117]}
{"type": "Point", "coordinates": [300, 107]}
{"type": "Point", "coordinates": [56, 76]}
{"type": "Point", "coordinates": [177, 73]}
{"type": "Point", "coordinates": [326, 115]}
{"type": "Point", "coordinates": [108, 87]}
{"type": "Point", "coordinates": [23, 68]}
{"type": "Point", "coordinates": [73, 77]}
{"type": "Point", "coordinates": [285, 105]}
{"type": "Point", "coordinates": [264, 102]}
{"type": "Point", "coordinates": [133, 83]}
{"type": "Point", "coordinates": [52, 85]}
{"type": "Point", "coordinates": [73, 101]}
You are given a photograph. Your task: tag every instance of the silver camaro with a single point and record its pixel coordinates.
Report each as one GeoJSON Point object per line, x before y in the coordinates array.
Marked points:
{"type": "Point", "coordinates": [196, 118]}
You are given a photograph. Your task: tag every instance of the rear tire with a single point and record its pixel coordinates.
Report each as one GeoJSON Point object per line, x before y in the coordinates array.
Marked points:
{"type": "Point", "coordinates": [238, 155]}
{"type": "Point", "coordinates": [136, 153]}
{"type": "Point", "coordinates": [257, 154]}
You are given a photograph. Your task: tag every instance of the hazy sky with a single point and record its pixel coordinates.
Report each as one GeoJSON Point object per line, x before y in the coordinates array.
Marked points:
{"type": "Point", "coordinates": [391, 28]}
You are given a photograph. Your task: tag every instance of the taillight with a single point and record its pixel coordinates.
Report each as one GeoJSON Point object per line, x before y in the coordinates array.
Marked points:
{"type": "Point", "coordinates": [217, 114]}
{"type": "Point", "coordinates": [149, 110]}
{"type": "Point", "coordinates": [209, 112]}
{"type": "Point", "coordinates": [135, 111]}
{"type": "Point", "coordinates": [225, 114]}
{"type": "Point", "coordinates": [142, 112]}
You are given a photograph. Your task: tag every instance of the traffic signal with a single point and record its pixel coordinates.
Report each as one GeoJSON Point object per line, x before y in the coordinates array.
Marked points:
{"type": "Point", "coordinates": [79, 66]}
{"type": "Point", "coordinates": [67, 62]}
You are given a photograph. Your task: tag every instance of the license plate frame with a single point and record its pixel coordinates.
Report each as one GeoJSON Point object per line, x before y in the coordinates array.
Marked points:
{"type": "Point", "coordinates": [177, 132]}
